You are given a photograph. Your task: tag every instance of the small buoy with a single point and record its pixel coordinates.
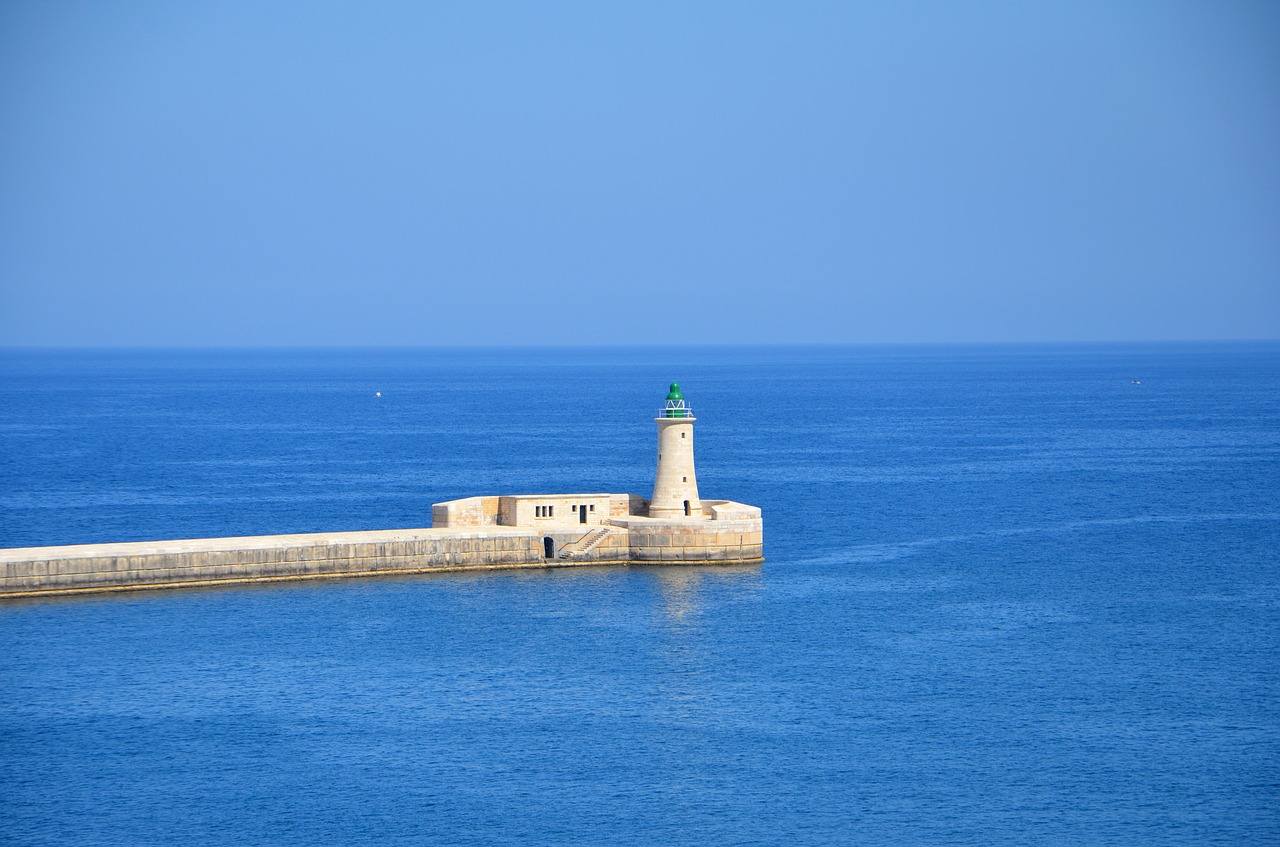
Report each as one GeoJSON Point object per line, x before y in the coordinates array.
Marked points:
{"type": "Point", "coordinates": [377, 394]}
{"type": "Point", "coordinates": [1137, 382]}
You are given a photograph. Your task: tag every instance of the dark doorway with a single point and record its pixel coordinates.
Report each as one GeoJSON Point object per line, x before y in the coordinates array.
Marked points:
{"type": "Point", "coordinates": [686, 508]}
{"type": "Point", "coordinates": [548, 547]}
{"type": "Point", "coordinates": [582, 514]}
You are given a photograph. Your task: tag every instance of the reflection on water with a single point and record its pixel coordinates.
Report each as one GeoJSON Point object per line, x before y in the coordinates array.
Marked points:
{"type": "Point", "coordinates": [679, 587]}
{"type": "Point", "coordinates": [682, 587]}
{"type": "Point", "coordinates": [690, 615]}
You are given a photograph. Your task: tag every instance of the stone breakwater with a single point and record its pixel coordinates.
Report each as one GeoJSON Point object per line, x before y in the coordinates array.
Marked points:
{"type": "Point", "coordinates": [214, 561]}
{"type": "Point", "coordinates": [35, 571]}
{"type": "Point", "coordinates": [473, 533]}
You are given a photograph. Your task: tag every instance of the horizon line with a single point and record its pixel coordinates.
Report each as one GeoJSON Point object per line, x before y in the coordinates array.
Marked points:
{"type": "Point", "coordinates": [626, 346]}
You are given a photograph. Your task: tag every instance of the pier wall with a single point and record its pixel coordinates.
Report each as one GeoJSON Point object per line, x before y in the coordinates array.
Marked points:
{"type": "Point", "coordinates": [725, 533]}
{"type": "Point", "coordinates": [162, 564]}
{"type": "Point", "coordinates": [688, 542]}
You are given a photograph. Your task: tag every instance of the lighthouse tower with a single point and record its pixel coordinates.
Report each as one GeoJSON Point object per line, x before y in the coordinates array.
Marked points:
{"type": "Point", "coordinates": [675, 490]}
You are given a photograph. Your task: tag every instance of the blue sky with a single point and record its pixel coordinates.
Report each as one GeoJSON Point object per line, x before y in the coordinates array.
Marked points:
{"type": "Point", "coordinates": [325, 174]}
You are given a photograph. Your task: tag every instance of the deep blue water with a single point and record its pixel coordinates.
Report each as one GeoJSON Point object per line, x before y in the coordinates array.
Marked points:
{"type": "Point", "coordinates": [1011, 598]}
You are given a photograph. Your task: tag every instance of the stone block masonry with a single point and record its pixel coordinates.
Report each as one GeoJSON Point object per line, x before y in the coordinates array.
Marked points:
{"type": "Point", "coordinates": [725, 533]}
{"type": "Point", "coordinates": [215, 561]}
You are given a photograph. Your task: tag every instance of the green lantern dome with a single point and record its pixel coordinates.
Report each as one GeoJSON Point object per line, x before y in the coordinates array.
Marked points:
{"type": "Point", "coordinates": [676, 407]}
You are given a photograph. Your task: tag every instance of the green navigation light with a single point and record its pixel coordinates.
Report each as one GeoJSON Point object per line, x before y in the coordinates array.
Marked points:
{"type": "Point", "coordinates": [676, 407]}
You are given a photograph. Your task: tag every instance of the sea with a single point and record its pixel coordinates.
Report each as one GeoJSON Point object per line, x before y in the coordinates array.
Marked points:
{"type": "Point", "coordinates": [1013, 595]}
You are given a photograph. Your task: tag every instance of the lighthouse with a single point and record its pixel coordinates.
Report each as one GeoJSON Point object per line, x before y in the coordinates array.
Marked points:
{"type": "Point", "coordinates": [675, 489]}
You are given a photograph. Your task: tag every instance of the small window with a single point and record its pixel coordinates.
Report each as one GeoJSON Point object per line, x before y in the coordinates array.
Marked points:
{"type": "Point", "coordinates": [683, 434]}
{"type": "Point", "coordinates": [551, 510]}
{"type": "Point", "coordinates": [593, 507]}
{"type": "Point", "coordinates": [684, 479]}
